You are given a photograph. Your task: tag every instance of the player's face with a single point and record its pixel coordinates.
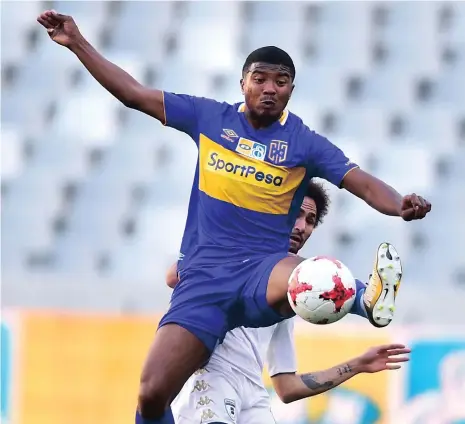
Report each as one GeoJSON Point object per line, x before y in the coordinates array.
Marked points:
{"type": "Point", "coordinates": [267, 90]}
{"type": "Point", "coordinates": [304, 225]}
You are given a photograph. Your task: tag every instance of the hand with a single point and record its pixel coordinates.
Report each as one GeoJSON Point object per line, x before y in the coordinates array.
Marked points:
{"type": "Point", "coordinates": [61, 28]}
{"type": "Point", "coordinates": [380, 358]}
{"type": "Point", "coordinates": [414, 207]}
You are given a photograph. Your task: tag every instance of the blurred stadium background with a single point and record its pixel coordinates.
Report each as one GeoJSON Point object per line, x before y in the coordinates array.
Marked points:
{"type": "Point", "coordinates": [94, 196]}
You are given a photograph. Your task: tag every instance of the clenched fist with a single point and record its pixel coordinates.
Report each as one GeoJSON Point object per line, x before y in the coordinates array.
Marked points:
{"type": "Point", "coordinates": [414, 207]}
{"type": "Point", "coordinates": [61, 28]}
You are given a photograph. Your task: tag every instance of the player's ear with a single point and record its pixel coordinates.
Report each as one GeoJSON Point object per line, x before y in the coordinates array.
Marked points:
{"type": "Point", "coordinates": [242, 85]}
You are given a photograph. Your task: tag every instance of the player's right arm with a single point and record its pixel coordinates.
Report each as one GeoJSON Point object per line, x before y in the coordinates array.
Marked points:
{"type": "Point", "coordinates": [63, 30]}
{"type": "Point", "coordinates": [291, 387]}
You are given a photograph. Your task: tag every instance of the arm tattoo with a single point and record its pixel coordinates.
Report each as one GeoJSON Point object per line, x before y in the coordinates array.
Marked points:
{"type": "Point", "coordinates": [344, 370]}
{"type": "Point", "coordinates": [311, 382]}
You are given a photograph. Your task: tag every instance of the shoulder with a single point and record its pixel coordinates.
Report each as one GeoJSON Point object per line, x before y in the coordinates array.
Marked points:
{"type": "Point", "coordinates": [301, 129]}
{"type": "Point", "coordinates": [200, 104]}
{"type": "Point", "coordinates": [309, 141]}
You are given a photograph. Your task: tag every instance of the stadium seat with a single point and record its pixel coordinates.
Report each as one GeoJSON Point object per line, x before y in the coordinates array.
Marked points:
{"type": "Point", "coordinates": [73, 257]}
{"type": "Point", "coordinates": [98, 211]}
{"type": "Point", "coordinates": [413, 47]}
{"type": "Point", "coordinates": [456, 33]}
{"type": "Point", "coordinates": [12, 154]}
{"type": "Point", "coordinates": [153, 27]}
{"type": "Point", "coordinates": [433, 128]}
{"type": "Point", "coordinates": [410, 169]}
{"type": "Point", "coordinates": [450, 88]}
{"type": "Point", "coordinates": [28, 213]}
{"type": "Point", "coordinates": [320, 86]}
{"type": "Point", "coordinates": [130, 161]}
{"type": "Point", "coordinates": [173, 78]}
{"type": "Point", "coordinates": [60, 159]}
{"type": "Point", "coordinates": [276, 24]}
{"type": "Point", "coordinates": [380, 84]}
{"type": "Point", "coordinates": [17, 19]}
{"type": "Point", "coordinates": [364, 125]}
{"type": "Point", "coordinates": [89, 116]}
{"type": "Point", "coordinates": [205, 18]}
{"type": "Point", "coordinates": [153, 248]}
{"type": "Point", "coordinates": [84, 12]}
{"type": "Point", "coordinates": [341, 36]}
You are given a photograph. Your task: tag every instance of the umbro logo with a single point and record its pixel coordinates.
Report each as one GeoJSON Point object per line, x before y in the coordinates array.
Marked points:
{"type": "Point", "coordinates": [229, 135]}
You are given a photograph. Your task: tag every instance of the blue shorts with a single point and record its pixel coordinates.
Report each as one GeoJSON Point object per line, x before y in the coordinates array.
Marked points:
{"type": "Point", "coordinates": [211, 301]}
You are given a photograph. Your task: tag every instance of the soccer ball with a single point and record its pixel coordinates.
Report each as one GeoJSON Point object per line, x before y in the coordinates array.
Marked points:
{"type": "Point", "coordinates": [321, 290]}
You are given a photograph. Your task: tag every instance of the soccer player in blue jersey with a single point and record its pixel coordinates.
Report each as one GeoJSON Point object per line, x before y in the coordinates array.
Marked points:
{"type": "Point", "coordinates": [255, 160]}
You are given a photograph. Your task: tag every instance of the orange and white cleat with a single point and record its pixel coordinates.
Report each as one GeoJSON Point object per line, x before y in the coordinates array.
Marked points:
{"type": "Point", "coordinates": [380, 295]}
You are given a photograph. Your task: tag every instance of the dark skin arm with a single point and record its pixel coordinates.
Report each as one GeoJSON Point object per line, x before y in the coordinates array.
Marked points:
{"type": "Point", "coordinates": [63, 30]}
{"type": "Point", "coordinates": [384, 198]}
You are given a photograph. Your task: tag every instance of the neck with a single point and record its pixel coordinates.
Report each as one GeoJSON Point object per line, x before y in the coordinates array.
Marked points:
{"type": "Point", "coordinates": [259, 122]}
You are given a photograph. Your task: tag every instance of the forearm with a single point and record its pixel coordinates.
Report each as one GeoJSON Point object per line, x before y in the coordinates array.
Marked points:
{"type": "Point", "coordinates": [292, 387]}
{"type": "Point", "coordinates": [374, 192]}
{"type": "Point", "coordinates": [114, 79]}
{"type": "Point", "coordinates": [383, 198]}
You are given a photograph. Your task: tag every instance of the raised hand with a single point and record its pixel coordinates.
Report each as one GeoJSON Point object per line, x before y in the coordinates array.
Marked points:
{"type": "Point", "coordinates": [61, 28]}
{"type": "Point", "coordinates": [414, 207]}
{"type": "Point", "coordinates": [380, 358]}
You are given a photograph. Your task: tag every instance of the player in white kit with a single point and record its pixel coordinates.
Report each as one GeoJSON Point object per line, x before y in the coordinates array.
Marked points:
{"type": "Point", "coordinates": [230, 388]}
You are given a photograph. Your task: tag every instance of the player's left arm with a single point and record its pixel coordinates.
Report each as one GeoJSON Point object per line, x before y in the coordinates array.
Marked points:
{"type": "Point", "coordinates": [291, 387]}
{"type": "Point", "coordinates": [329, 162]}
{"type": "Point", "coordinates": [383, 197]}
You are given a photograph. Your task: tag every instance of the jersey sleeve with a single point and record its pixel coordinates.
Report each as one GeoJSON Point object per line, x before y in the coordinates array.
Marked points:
{"type": "Point", "coordinates": [185, 113]}
{"type": "Point", "coordinates": [326, 160]}
{"type": "Point", "coordinates": [281, 350]}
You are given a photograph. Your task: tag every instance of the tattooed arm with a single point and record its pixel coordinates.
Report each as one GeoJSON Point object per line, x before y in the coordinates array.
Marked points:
{"type": "Point", "coordinates": [291, 387]}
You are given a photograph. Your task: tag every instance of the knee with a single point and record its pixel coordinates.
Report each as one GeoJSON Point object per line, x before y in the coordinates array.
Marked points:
{"type": "Point", "coordinates": [154, 398]}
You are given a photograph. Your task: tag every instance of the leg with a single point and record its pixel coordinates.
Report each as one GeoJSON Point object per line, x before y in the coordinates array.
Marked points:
{"type": "Point", "coordinates": [187, 335]}
{"type": "Point", "coordinates": [263, 300]}
{"type": "Point", "coordinates": [358, 308]}
{"type": "Point", "coordinates": [259, 413]}
{"type": "Point", "coordinates": [173, 357]}
{"type": "Point", "coordinates": [209, 394]}
{"type": "Point", "coordinates": [276, 292]}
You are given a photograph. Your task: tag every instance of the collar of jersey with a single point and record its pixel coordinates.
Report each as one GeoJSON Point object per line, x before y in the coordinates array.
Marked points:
{"type": "Point", "coordinates": [282, 119]}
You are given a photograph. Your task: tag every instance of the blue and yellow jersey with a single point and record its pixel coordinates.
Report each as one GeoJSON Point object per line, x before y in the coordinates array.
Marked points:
{"type": "Point", "coordinates": [249, 184]}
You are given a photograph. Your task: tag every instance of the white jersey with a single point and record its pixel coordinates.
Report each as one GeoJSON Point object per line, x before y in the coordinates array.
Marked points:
{"type": "Point", "coordinates": [230, 388]}
{"type": "Point", "coordinates": [246, 350]}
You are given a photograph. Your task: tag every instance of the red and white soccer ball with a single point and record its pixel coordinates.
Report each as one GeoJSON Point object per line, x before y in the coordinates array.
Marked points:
{"type": "Point", "coordinates": [321, 290]}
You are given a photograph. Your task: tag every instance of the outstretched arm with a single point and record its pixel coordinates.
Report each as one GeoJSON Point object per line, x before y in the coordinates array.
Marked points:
{"type": "Point", "coordinates": [291, 387]}
{"type": "Point", "coordinates": [383, 197]}
{"type": "Point", "coordinates": [329, 162]}
{"type": "Point", "coordinates": [63, 30]}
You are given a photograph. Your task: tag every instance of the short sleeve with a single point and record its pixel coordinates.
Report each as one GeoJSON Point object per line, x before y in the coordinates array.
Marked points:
{"type": "Point", "coordinates": [326, 160]}
{"type": "Point", "coordinates": [185, 113]}
{"type": "Point", "coordinates": [281, 350]}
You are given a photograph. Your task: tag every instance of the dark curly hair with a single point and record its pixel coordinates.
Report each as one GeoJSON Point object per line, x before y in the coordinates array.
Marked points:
{"type": "Point", "coordinates": [320, 196]}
